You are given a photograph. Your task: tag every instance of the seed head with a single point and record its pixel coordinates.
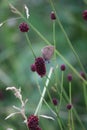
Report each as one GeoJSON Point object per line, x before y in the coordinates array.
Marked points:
{"type": "Point", "coordinates": [55, 101]}
{"type": "Point", "coordinates": [24, 27]}
{"type": "Point", "coordinates": [52, 16]}
{"type": "Point", "coordinates": [62, 67]}
{"type": "Point", "coordinates": [33, 68]}
{"type": "Point", "coordinates": [40, 66]}
{"type": "Point", "coordinates": [32, 122]}
{"type": "Point", "coordinates": [84, 14]}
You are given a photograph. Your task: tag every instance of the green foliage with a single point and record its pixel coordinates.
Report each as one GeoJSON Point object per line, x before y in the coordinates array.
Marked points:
{"type": "Point", "coordinates": [16, 57]}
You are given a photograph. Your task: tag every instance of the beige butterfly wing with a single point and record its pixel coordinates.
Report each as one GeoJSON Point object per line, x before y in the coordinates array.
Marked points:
{"type": "Point", "coordinates": [47, 52]}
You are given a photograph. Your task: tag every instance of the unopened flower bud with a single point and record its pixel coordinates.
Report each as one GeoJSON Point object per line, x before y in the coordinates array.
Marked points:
{"type": "Point", "coordinates": [69, 106]}
{"type": "Point", "coordinates": [52, 16]}
{"type": "Point", "coordinates": [69, 77]}
{"type": "Point", "coordinates": [84, 14]}
{"type": "Point", "coordinates": [62, 67]}
{"type": "Point", "coordinates": [55, 101]}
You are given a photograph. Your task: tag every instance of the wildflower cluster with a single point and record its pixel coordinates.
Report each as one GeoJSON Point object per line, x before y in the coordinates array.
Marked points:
{"type": "Point", "coordinates": [33, 122]}
{"type": "Point", "coordinates": [39, 66]}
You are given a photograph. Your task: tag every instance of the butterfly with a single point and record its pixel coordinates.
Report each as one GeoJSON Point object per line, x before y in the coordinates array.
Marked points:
{"type": "Point", "coordinates": [47, 52]}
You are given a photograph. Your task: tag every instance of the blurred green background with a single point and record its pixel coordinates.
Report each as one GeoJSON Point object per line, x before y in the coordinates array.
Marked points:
{"type": "Point", "coordinates": [16, 57]}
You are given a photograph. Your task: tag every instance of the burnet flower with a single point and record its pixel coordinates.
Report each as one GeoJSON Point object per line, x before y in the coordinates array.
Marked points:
{"type": "Point", "coordinates": [24, 27]}
{"type": "Point", "coordinates": [32, 121]}
{"type": "Point", "coordinates": [69, 106]}
{"type": "Point", "coordinates": [40, 66]}
{"type": "Point", "coordinates": [55, 101]}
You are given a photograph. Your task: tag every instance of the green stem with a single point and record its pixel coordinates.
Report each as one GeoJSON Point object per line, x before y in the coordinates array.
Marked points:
{"type": "Point", "coordinates": [44, 91]}
{"type": "Point", "coordinates": [85, 94]}
{"type": "Point", "coordinates": [58, 120]}
{"type": "Point", "coordinates": [54, 39]}
{"type": "Point", "coordinates": [29, 43]}
{"type": "Point", "coordinates": [54, 42]}
{"type": "Point", "coordinates": [61, 92]}
{"type": "Point", "coordinates": [69, 125]}
{"type": "Point", "coordinates": [45, 100]}
{"type": "Point", "coordinates": [66, 36]}
{"type": "Point", "coordinates": [71, 113]}
{"type": "Point", "coordinates": [70, 92]}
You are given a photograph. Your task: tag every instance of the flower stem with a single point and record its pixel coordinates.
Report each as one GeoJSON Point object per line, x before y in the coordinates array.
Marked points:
{"type": "Point", "coordinates": [44, 91]}
{"type": "Point", "coordinates": [29, 43]}
{"type": "Point", "coordinates": [61, 92]}
{"type": "Point", "coordinates": [71, 125]}
{"type": "Point", "coordinates": [85, 94]}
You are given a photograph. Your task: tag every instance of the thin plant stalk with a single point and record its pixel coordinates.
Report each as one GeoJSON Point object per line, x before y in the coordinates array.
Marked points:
{"type": "Point", "coordinates": [85, 94]}
{"type": "Point", "coordinates": [54, 42]}
{"type": "Point", "coordinates": [71, 125]}
{"type": "Point", "coordinates": [58, 119]}
{"type": "Point", "coordinates": [29, 43]}
{"type": "Point", "coordinates": [61, 92]}
{"type": "Point", "coordinates": [45, 100]}
{"type": "Point", "coordinates": [44, 91]}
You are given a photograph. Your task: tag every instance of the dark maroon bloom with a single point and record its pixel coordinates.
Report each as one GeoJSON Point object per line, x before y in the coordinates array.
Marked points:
{"type": "Point", "coordinates": [24, 27]}
{"type": "Point", "coordinates": [55, 101]}
{"type": "Point", "coordinates": [83, 75]}
{"type": "Point", "coordinates": [32, 122]}
{"type": "Point", "coordinates": [62, 67]}
{"type": "Point", "coordinates": [52, 15]}
{"type": "Point", "coordinates": [33, 68]}
{"type": "Point", "coordinates": [84, 14]}
{"type": "Point", "coordinates": [69, 106]}
{"type": "Point", "coordinates": [69, 77]}
{"type": "Point", "coordinates": [40, 66]}
{"type": "Point", "coordinates": [38, 128]}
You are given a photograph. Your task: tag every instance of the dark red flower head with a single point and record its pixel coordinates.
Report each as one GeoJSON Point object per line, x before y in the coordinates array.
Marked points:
{"type": "Point", "coordinates": [40, 66]}
{"type": "Point", "coordinates": [52, 15]}
{"type": "Point", "coordinates": [69, 77]}
{"type": "Point", "coordinates": [69, 106]}
{"type": "Point", "coordinates": [33, 68]}
{"type": "Point", "coordinates": [24, 27]}
{"type": "Point", "coordinates": [84, 14]}
{"type": "Point", "coordinates": [83, 75]}
{"type": "Point", "coordinates": [38, 128]}
{"type": "Point", "coordinates": [32, 122]}
{"type": "Point", "coordinates": [55, 101]}
{"type": "Point", "coordinates": [62, 67]}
